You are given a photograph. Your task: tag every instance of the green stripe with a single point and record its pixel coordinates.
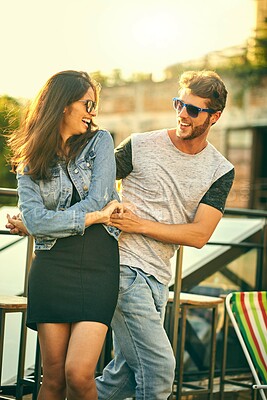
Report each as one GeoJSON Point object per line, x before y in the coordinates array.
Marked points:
{"type": "Point", "coordinates": [244, 328]}
{"type": "Point", "coordinates": [256, 312]}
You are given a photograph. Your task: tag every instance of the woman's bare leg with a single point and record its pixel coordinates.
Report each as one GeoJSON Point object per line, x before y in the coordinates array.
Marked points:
{"type": "Point", "coordinates": [54, 340]}
{"type": "Point", "coordinates": [85, 346]}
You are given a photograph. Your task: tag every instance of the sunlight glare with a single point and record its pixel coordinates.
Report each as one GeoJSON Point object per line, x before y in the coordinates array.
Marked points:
{"type": "Point", "coordinates": [141, 36]}
{"type": "Point", "coordinates": [153, 30]}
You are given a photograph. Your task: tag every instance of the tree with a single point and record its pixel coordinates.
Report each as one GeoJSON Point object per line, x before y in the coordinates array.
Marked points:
{"type": "Point", "coordinates": [10, 112]}
{"type": "Point", "coordinates": [99, 77]}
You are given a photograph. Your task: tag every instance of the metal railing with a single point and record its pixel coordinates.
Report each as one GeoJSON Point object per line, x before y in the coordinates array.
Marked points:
{"type": "Point", "coordinates": [257, 242]}
{"type": "Point", "coordinates": [12, 388]}
{"type": "Point", "coordinates": [233, 250]}
{"type": "Point", "coordinates": [8, 192]}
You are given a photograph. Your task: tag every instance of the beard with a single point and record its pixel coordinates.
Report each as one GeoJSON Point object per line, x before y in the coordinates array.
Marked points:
{"type": "Point", "coordinates": [199, 130]}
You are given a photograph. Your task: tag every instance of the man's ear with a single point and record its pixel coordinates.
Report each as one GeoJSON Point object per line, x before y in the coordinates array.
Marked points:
{"type": "Point", "coordinates": [215, 117]}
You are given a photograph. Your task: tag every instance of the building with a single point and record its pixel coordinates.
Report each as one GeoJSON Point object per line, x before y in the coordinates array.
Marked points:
{"type": "Point", "coordinates": [241, 133]}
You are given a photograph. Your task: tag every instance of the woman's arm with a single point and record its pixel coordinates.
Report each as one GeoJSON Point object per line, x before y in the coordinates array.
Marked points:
{"type": "Point", "coordinates": [54, 224]}
{"type": "Point", "coordinates": [16, 225]}
{"type": "Point", "coordinates": [103, 216]}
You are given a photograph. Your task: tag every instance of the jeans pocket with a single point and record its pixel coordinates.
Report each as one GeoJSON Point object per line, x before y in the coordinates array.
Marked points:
{"type": "Point", "coordinates": [128, 278]}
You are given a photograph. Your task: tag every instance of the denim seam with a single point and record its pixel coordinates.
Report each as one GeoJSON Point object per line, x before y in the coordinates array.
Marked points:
{"type": "Point", "coordinates": [138, 357]}
{"type": "Point", "coordinates": [141, 367]}
{"type": "Point", "coordinates": [117, 390]}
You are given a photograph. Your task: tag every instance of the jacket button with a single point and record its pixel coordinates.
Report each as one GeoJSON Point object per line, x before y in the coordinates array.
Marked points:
{"type": "Point", "coordinates": [85, 188]}
{"type": "Point", "coordinates": [76, 171]}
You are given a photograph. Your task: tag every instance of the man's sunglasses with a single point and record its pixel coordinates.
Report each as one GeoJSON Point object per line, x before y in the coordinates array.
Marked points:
{"type": "Point", "coordinates": [89, 104]}
{"type": "Point", "coordinates": [192, 111]}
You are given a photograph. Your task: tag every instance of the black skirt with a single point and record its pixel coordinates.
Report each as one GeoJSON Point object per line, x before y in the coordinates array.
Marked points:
{"type": "Point", "coordinates": [76, 280]}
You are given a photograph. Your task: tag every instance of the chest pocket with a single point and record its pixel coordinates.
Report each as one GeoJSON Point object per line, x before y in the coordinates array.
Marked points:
{"type": "Point", "coordinates": [87, 161]}
{"type": "Point", "coordinates": [85, 167]}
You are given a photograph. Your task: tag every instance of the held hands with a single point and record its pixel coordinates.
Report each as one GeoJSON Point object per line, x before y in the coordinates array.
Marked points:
{"type": "Point", "coordinates": [16, 226]}
{"type": "Point", "coordinates": [126, 221]}
{"type": "Point", "coordinates": [113, 207]}
{"type": "Point", "coordinates": [103, 216]}
{"type": "Point", "coordinates": [113, 214]}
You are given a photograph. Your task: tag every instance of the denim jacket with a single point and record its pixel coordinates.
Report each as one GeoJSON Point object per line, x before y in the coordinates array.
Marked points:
{"type": "Point", "coordinates": [45, 205]}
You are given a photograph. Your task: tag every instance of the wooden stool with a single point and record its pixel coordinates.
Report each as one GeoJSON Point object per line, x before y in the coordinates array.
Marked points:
{"type": "Point", "coordinates": [12, 304]}
{"type": "Point", "coordinates": [194, 301]}
{"type": "Point", "coordinates": [32, 382]}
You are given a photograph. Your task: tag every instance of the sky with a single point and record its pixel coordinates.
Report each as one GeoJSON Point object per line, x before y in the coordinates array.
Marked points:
{"type": "Point", "coordinates": [40, 38]}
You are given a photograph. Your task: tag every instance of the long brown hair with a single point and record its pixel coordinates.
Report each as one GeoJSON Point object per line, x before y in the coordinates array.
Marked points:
{"type": "Point", "coordinates": [37, 143]}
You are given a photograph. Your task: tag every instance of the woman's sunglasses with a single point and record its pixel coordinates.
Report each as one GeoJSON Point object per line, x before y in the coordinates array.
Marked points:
{"type": "Point", "coordinates": [89, 104]}
{"type": "Point", "coordinates": [192, 111]}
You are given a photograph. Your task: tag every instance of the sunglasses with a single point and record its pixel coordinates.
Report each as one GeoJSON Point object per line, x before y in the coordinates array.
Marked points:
{"type": "Point", "coordinates": [89, 104]}
{"type": "Point", "coordinates": [192, 111]}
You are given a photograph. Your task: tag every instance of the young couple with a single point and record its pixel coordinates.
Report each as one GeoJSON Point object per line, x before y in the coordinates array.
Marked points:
{"type": "Point", "coordinates": [175, 184]}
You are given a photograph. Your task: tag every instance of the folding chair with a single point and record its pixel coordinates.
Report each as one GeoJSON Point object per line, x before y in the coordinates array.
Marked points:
{"type": "Point", "coordinates": [248, 314]}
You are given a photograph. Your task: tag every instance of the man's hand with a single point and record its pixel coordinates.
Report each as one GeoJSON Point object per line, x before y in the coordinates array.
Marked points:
{"type": "Point", "coordinates": [113, 207]}
{"type": "Point", "coordinates": [103, 216]}
{"type": "Point", "coordinates": [195, 234]}
{"type": "Point", "coordinates": [126, 221]}
{"type": "Point", "coordinates": [16, 226]}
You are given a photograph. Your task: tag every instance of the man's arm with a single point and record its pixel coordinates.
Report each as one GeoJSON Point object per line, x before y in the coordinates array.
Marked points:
{"type": "Point", "coordinates": [123, 156]}
{"type": "Point", "coordinates": [195, 234]}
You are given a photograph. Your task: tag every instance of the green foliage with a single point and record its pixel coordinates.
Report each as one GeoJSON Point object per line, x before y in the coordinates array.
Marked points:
{"type": "Point", "coordinates": [115, 78]}
{"type": "Point", "coordinates": [10, 112]}
{"type": "Point", "coordinates": [99, 77]}
{"type": "Point", "coordinates": [139, 77]}
{"type": "Point", "coordinates": [248, 74]}
{"type": "Point", "coordinates": [247, 64]}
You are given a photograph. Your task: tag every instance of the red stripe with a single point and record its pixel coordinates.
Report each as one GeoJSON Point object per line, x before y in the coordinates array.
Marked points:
{"type": "Point", "coordinates": [251, 330]}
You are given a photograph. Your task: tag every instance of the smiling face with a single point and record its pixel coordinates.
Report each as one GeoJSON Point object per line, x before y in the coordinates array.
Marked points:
{"type": "Point", "coordinates": [76, 119]}
{"type": "Point", "coordinates": [189, 128]}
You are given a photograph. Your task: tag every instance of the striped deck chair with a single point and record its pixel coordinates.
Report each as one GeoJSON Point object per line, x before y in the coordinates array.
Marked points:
{"type": "Point", "coordinates": [248, 313]}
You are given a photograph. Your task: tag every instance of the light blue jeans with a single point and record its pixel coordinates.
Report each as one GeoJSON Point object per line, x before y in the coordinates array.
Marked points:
{"type": "Point", "coordinates": [143, 364]}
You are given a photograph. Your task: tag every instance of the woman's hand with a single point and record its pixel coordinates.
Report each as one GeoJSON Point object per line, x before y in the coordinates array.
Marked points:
{"type": "Point", "coordinates": [16, 226]}
{"type": "Point", "coordinates": [103, 216]}
{"type": "Point", "coordinates": [126, 221]}
{"type": "Point", "coordinates": [113, 207]}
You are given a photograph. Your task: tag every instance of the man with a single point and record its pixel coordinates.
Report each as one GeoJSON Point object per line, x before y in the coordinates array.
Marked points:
{"type": "Point", "coordinates": [175, 185]}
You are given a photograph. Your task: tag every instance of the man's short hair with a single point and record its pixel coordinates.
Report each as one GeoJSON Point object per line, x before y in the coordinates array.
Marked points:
{"type": "Point", "coordinates": [205, 84]}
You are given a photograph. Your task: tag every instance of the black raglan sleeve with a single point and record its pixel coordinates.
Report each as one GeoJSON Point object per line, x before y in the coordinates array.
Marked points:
{"type": "Point", "coordinates": [217, 194]}
{"type": "Point", "coordinates": [123, 155]}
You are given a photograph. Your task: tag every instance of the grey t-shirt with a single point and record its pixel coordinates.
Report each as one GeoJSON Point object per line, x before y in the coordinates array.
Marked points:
{"type": "Point", "coordinates": [162, 184]}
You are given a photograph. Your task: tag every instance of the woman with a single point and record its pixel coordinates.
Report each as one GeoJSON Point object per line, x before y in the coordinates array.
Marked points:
{"type": "Point", "coordinates": [66, 184]}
